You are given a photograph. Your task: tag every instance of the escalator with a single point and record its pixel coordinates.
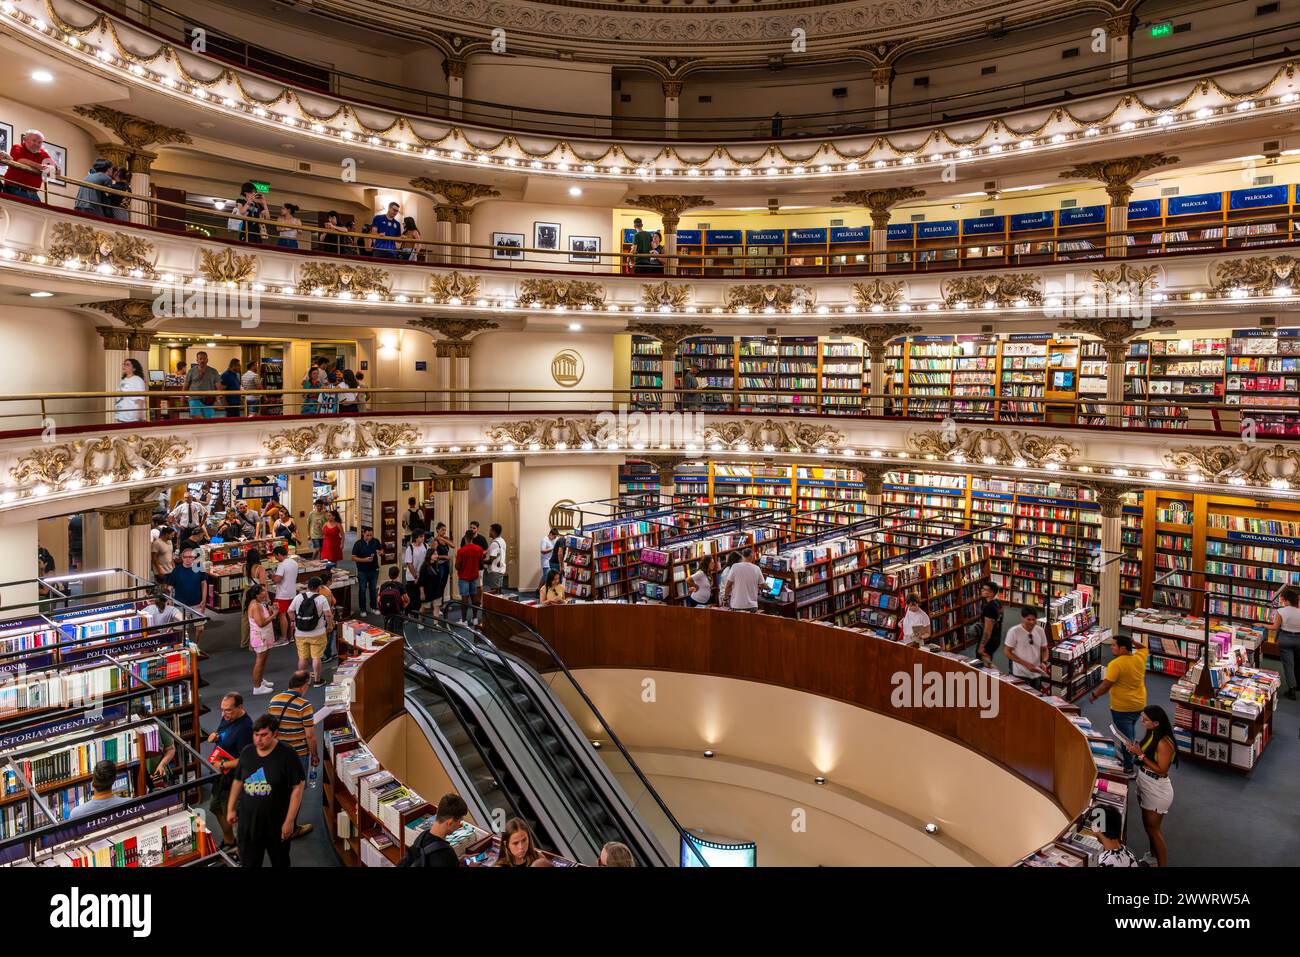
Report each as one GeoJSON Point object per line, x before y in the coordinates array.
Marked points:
{"type": "Point", "coordinates": [534, 750]}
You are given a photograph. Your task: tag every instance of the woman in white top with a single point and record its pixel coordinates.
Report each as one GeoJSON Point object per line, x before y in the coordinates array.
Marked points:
{"type": "Point", "coordinates": [261, 633]}
{"type": "Point", "coordinates": [700, 585]}
{"type": "Point", "coordinates": [131, 406]}
{"type": "Point", "coordinates": [286, 227]}
{"type": "Point", "coordinates": [916, 623]}
{"type": "Point", "coordinates": [347, 389]}
{"type": "Point", "coordinates": [1286, 625]}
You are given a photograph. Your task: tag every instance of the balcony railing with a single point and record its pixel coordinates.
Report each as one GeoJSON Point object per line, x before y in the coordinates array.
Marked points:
{"type": "Point", "coordinates": [1276, 227]}
{"type": "Point", "coordinates": [72, 412]}
{"type": "Point", "coordinates": [256, 57]}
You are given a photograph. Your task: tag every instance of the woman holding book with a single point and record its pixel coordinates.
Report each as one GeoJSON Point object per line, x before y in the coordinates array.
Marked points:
{"type": "Point", "coordinates": [1154, 756]}
{"type": "Point", "coordinates": [700, 585]}
{"type": "Point", "coordinates": [261, 633]}
{"type": "Point", "coordinates": [518, 849]}
{"type": "Point", "coordinates": [916, 623]}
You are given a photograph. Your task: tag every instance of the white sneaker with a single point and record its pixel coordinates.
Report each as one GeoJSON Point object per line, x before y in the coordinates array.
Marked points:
{"type": "Point", "coordinates": [1149, 859]}
{"type": "Point", "coordinates": [264, 688]}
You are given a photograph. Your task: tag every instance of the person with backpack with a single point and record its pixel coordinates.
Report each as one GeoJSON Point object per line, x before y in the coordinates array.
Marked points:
{"type": "Point", "coordinates": [393, 601]}
{"type": "Point", "coordinates": [431, 848]}
{"type": "Point", "coordinates": [414, 520]}
{"type": "Point", "coordinates": [311, 620]}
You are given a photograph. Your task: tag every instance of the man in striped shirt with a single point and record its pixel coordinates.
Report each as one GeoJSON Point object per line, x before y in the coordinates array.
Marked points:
{"type": "Point", "coordinates": [297, 727]}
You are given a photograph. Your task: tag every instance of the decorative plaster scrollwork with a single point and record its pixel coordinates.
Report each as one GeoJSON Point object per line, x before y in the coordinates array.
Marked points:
{"type": "Point", "coordinates": [331, 438]}
{"type": "Point", "coordinates": [1258, 275]}
{"type": "Point", "coordinates": [776, 295]}
{"type": "Point", "coordinates": [226, 267]}
{"type": "Point", "coordinates": [333, 279]}
{"type": "Point", "coordinates": [676, 296]}
{"type": "Point", "coordinates": [1253, 462]}
{"type": "Point", "coordinates": [569, 293]}
{"type": "Point", "coordinates": [781, 436]}
{"type": "Point", "coordinates": [87, 460]}
{"type": "Point", "coordinates": [76, 242]}
{"type": "Point", "coordinates": [444, 287]}
{"type": "Point", "coordinates": [993, 446]}
{"type": "Point", "coordinates": [886, 293]}
{"type": "Point", "coordinates": [1005, 289]}
{"type": "Point", "coordinates": [554, 433]}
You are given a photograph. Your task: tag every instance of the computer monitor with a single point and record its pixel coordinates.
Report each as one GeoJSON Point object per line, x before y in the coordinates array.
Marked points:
{"type": "Point", "coordinates": [772, 586]}
{"type": "Point", "coordinates": [157, 375]}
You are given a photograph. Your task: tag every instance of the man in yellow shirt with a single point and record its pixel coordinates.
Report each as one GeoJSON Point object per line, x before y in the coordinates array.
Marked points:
{"type": "Point", "coordinates": [1126, 680]}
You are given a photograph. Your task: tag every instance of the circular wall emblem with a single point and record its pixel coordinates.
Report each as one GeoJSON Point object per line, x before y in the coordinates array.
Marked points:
{"type": "Point", "coordinates": [567, 368]}
{"type": "Point", "coordinates": [564, 515]}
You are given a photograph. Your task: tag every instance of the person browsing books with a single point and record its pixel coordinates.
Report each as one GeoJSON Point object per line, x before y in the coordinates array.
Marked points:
{"type": "Point", "coordinates": [101, 797]}
{"type": "Point", "coordinates": [700, 585]}
{"type": "Point", "coordinates": [161, 612]}
{"type": "Point", "coordinates": [1154, 755]}
{"type": "Point", "coordinates": [1126, 682]}
{"type": "Point", "coordinates": [743, 584]}
{"type": "Point", "coordinates": [265, 794]}
{"type": "Point", "coordinates": [518, 849]}
{"type": "Point", "coordinates": [548, 550]}
{"type": "Point", "coordinates": [312, 619]}
{"type": "Point", "coordinates": [190, 587]}
{"type": "Point", "coordinates": [1026, 646]}
{"type": "Point", "coordinates": [1286, 632]}
{"type": "Point", "coordinates": [234, 733]}
{"type": "Point", "coordinates": [285, 580]}
{"type": "Point", "coordinates": [990, 621]}
{"type": "Point", "coordinates": [1108, 826]}
{"type": "Point", "coordinates": [431, 848]}
{"type": "Point", "coordinates": [552, 590]}
{"type": "Point", "coordinates": [916, 623]}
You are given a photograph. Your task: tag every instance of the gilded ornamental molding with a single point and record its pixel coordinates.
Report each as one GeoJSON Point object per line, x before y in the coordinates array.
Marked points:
{"type": "Point", "coordinates": [455, 330]}
{"type": "Point", "coordinates": [101, 249]}
{"type": "Point", "coordinates": [135, 132]}
{"type": "Point", "coordinates": [329, 439]}
{"type": "Point", "coordinates": [670, 335]}
{"type": "Point", "coordinates": [454, 287]}
{"type": "Point", "coordinates": [1257, 275]}
{"type": "Point", "coordinates": [1246, 462]}
{"type": "Point", "coordinates": [776, 295]}
{"type": "Point", "coordinates": [568, 293]}
{"type": "Point", "coordinates": [992, 447]}
{"type": "Point", "coordinates": [770, 435]}
{"type": "Point", "coordinates": [1117, 175]}
{"type": "Point", "coordinates": [334, 279]}
{"type": "Point", "coordinates": [1004, 289]}
{"type": "Point", "coordinates": [885, 293]}
{"type": "Point", "coordinates": [675, 295]}
{"type": "Point", "coordinates": [86, 461]}
{"type": "Point", "coordinates": [226, 266]}
{"type": "Point", "coordinates": [551, 433]}
{"type": "Point", "coordinates": [1124, 279]}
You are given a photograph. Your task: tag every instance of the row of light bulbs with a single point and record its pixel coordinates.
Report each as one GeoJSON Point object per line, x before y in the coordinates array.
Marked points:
{"type": "Point", "coordinates": [11, 496]}
{"type": "Point", "coordinates": [632, 169]}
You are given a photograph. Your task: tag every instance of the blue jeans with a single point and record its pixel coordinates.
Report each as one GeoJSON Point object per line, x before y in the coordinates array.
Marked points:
{"type": "Point", "coordinates": [1126, 721]}
{"type": "Point", "coordinates": [13, 189]}
{"type": "Point", "coordinates": [200, 411]}
{"type": "Point", "coordinates": [287, 243]}
{"type": "Point", "coordinates": [367, 587]}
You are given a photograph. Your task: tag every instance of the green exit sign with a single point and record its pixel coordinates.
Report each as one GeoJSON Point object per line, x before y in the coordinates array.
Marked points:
{"type": "Point", "coordinates": [1162, 29]}
{"type": "Point", "coordinates": [260, 186]}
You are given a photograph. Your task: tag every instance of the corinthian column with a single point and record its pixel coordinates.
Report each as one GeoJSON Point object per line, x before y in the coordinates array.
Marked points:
{"type": "Point", "coordinates": [134, 133]}
{"type": "Point", "coordinates": [1117, 176]}
{"type": "Point", "coordinates": [670, 209]}
{"type": "Point", "coordinates": [880, 202]}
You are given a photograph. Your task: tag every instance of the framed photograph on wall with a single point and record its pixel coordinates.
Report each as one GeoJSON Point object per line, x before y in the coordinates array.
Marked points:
{"type": "Point", "coordinates": [546, 236]}
{"type": "Point", "coordinates": [583, 249]}
{"type": "Point", "coordinates": [508, 245]}
{"type": "Point", "coordinates": [60, 156]}
{"type": "Point", "coordinates": [6, 141]}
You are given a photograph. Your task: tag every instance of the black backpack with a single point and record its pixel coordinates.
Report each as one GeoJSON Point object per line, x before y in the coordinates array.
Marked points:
{"type": "Point", "coordinates": [307, 617]}
{"type": "Point", "coordinates": [390, 599]}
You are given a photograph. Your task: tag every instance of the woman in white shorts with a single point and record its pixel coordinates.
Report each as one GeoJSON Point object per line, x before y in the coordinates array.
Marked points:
{"type": "Point", "coordinates": [1154, 756]}
{"type": "Point", "coordinates": [261, 633]}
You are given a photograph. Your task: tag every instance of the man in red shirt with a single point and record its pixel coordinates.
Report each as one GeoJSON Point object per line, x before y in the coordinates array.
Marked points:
{"type": "Point", "coordinates": [26, 162]}
{"type": "Point", "coordinates": [468, 558]}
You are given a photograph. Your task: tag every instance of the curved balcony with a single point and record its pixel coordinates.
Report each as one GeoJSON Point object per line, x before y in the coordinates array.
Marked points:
{"type": "Point", "coordinates": [1194, 281]}
{"type": "Point", "coordinates": [58, 454]}
{"type": "Point", "coordinates": [169, 82]}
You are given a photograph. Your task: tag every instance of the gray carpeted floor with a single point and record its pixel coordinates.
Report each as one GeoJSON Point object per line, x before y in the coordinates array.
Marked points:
{"type": "Point", "coordinates": [1219, 817]}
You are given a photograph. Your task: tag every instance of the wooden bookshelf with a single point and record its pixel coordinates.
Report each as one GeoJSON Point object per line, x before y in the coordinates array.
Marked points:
{"type": "Point", "coordinates": [842, 376]}
{"type": "Point", "coordinates": [1081, 233]}
{"type": "Point", "coordinates": [984, 241]}
{"type": "Point", "coordinates": [757, 377]}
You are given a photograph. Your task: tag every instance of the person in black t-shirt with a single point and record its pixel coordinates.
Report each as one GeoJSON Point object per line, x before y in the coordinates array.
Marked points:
{"type": "Point", "coordinates": [366, 553]}
{"type": "Point", "coordinates": [265, 796]}
{"type": "Point", "coordinates": [431, 848]}
{"type": "Point", "coordinates": [990, 623]}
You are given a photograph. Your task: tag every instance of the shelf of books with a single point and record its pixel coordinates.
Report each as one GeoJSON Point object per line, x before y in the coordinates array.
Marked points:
{"type": "Point", "coordinates": [1092, 382]}
{"type": "Point", "coordinates": [600, 560]}
{"type": "Point", "coordinates": [664, 568]}
{"type": "Point", "coordinates": [975, 376]}
{"type": "Point", "coordinates": [1023, 376]}
{"type": "Point", "coordinates": [797, 375]}
{"type": "Point", "coordinates": [929, 373]}
{"type": "Point", "coordinates": [1130, 569]}
{"type": "Point", "coordinates": [738, 489]}
{"type": "Point", "coordinates": [818, 581]}
{"type": "Point", "coordinates": [1224, 714]}
{"type": "Point", "coordinates": [842, 376]}
{"type": "Point", "coordinates": [1263, 377]}
{"type": "Point", "coordinates": [1057, 532]}
{"type": "Point", "coordinates": [638, 485]}
{"type": "Point", "coordinates": [993, 502]}
{"type": "Point", "coordinates": [224, 564]}
{"type": "Point", "coordinates": [947, 584]}
{"type": "Point", "coordinates": [1172, 548]}
{"type": "Point", "coordinates": [836, 494]}
{"type": "Point", "coordinates": [1081, 233]}
{"type": "Point", "coordinates": [715, 357]}
{"type": "Point", "coordinates": [757, 362]}
{"type": "Point", "coordinates": [1246, 540]}
{"type": "Point", "coordinates": [1192, 370]}
{"type": "Point", "coordinates": [647, 374]}
{"type": "Point", "coordinates": [930, 495]}
{"type": "Point", "coordinates": [1076, 641]}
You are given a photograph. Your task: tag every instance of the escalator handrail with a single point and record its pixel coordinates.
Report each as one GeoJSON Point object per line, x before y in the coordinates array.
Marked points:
{"type": "Point", "coordinates": [636, 769]}
{"type": "Point", "coordinates": [521, 721]}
